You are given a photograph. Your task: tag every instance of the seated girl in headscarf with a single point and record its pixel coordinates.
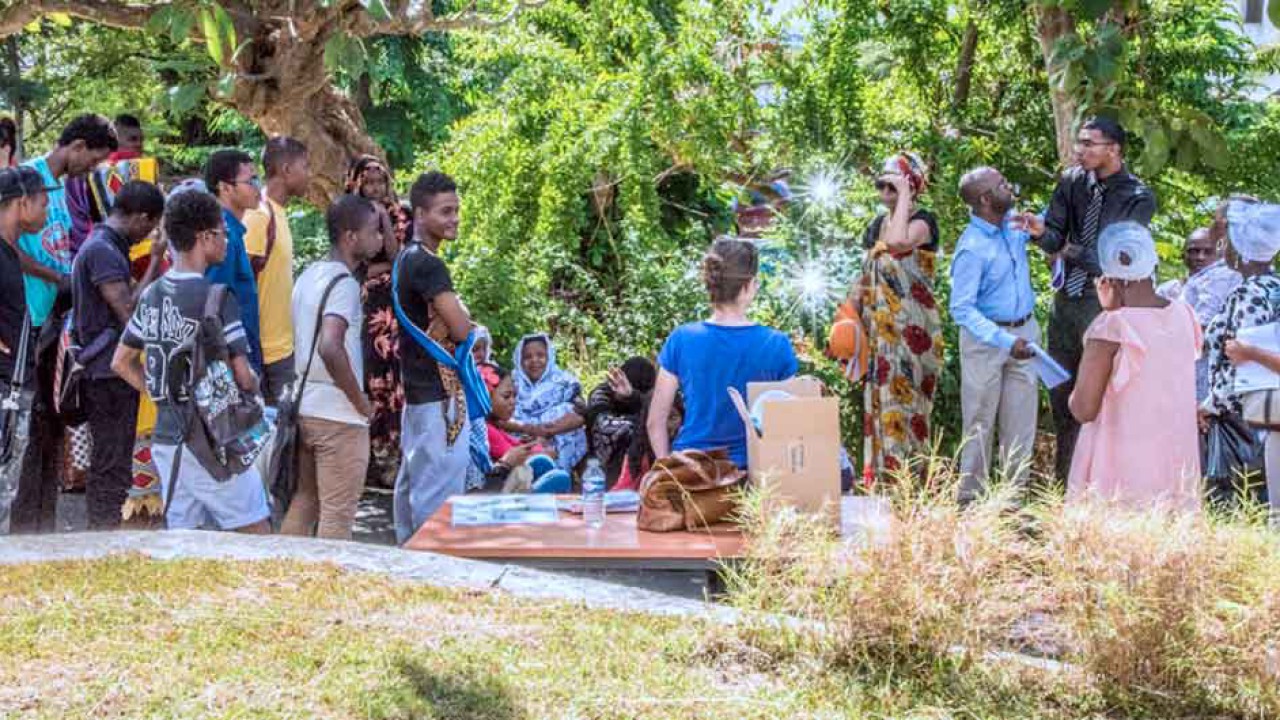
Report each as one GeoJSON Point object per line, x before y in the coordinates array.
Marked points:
{"type": "Point", "coordinates": [478, 472]}
{"type": "Point", "coordinates": [548, 402]}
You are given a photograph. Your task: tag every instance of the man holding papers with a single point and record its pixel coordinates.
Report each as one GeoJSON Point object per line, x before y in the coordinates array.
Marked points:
{"type": "Point", "coordinates": [993, 302]}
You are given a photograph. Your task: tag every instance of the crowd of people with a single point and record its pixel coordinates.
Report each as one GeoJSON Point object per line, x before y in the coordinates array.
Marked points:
{"type": "Point", "coordinates": [1152, 415]}
{"type": "Point", "coordinates": [395, 382]}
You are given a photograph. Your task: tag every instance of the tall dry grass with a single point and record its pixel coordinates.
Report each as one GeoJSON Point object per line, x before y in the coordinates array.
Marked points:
{"type": "Point", "coordinates": [1152, 614]}
{"type": "Point", "coordinates": [1162, 609]}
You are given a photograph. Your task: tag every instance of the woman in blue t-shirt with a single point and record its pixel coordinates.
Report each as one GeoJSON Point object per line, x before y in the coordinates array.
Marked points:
{"type": "Point", "coordinates": [704, 359]}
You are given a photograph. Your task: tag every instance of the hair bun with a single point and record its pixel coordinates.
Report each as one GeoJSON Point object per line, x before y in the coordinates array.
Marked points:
{"type": "Point", "coordinates": [712, 269]}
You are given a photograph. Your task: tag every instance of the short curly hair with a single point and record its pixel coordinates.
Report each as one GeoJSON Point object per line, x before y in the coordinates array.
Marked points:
{"type": "Point", "coordinates": [94, 130]}
{"type": "Point", "coordinates": [427, 186]}
{"type": "Point", "coordinates": [187, 215]}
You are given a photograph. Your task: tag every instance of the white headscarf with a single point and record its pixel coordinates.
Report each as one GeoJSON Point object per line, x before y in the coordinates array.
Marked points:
{"type": "Point", "coordinates": [1254, 230]}
{"type": "Point", "coordinates": [482, 333]}
{"type": "Point", "coordinates": [1127, 252]}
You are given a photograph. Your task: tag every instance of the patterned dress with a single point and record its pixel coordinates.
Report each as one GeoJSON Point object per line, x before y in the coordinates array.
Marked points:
{"type": "Point", "coordinates": [382, 365]}
{"type": "Point", "coordinates": [904, 331]}
{"type": "Point", "coordinates": [1255, 302]}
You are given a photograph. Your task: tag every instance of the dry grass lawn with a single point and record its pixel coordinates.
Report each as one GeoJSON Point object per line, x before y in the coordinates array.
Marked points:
{"type": "Point", "coordinates": [139, 638]}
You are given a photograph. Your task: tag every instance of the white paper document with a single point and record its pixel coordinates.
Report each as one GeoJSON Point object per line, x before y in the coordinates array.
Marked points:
{"type": "Point", "coordinates": [1252, 376]}
{"type": "Point", "coordinates": [1051, 373]}
{"type": "Point", "coordinates": [504, 510]}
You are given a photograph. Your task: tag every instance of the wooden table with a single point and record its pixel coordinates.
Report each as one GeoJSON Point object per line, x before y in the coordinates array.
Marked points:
{"type": "Point", "coordinates": [569, 543]}
{"type": "Point", "coordinates": [618, 545]}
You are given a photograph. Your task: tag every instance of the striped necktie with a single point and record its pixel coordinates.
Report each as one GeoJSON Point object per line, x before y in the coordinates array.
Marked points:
{"type": "Point", "coordinates": [1078, 276]}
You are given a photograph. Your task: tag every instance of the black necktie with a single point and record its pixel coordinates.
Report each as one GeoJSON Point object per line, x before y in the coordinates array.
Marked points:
{"type": "Point", "coordinates": [1078, 276]}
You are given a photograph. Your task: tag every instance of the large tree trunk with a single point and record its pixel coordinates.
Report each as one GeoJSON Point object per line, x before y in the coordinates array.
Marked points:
{"type": "Point", "coordinates": [285, 89]}
{"type": "Point", "coordinates": [1054, 23]}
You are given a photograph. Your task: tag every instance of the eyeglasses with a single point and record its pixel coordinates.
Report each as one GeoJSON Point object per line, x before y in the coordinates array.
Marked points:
{"type": "Point", "coordinates": [254, 181]}
{"type": "Point", "coordinates": [1089, 144]}
{"type": "Point", "coordinates": [220, 232]}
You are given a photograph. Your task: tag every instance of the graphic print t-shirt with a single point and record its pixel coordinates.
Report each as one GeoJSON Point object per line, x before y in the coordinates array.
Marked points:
{"type": "Point", "coordinates": [50, 247]}
{"type": "Point", "coordinates": [168, 315]}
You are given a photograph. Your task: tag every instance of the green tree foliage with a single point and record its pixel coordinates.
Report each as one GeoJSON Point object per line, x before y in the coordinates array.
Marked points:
{"type": "Point", "coordinates": [592, 164]}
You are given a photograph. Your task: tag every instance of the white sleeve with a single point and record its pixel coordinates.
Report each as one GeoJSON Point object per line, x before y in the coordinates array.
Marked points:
{"type": "Point", "coordinates": [344, 301]}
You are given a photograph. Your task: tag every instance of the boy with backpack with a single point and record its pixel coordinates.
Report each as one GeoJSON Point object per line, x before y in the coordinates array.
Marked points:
{"type": "Point", "coordinates": [156, 356]}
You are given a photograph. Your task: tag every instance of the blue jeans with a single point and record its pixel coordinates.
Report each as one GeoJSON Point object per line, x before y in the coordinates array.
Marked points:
{"type": "Point", "coordinates": [431, 470]}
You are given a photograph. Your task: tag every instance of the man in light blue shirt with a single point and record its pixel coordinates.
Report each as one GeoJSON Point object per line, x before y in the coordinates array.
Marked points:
{"type": "Point", "coordinates": [993, 302]}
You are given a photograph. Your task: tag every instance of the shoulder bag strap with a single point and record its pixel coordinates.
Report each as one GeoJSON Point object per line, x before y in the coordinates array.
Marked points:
{"type": "Point", "coordinates": [19, 378]}
{"type": "Point", "coordinates": [478, 401]}
{"type": "Point", "coordinates": [411, 328]}
{"type": "Point", "coordinates": [212, 309]}
{"type": "Point", "coordinates": [315, 335]}
{"type": "Point", "coordinates": [259, 263]}
{"type": "Point", "coordinates": [24, 348]}
{"type": "Point", "coordinates": [213, 302]}
{"type": "Point", "coordinates": [173, 474]}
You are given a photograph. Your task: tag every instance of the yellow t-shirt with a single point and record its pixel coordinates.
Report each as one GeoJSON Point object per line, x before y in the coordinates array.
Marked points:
{"type": "Point", "coordinates": [275, 283]}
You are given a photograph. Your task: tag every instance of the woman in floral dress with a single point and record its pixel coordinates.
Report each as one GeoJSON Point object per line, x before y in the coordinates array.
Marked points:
{"type": "Point", "coordinates": [369, 178]}
{"type": "Point", "coordinates": [904, 330]}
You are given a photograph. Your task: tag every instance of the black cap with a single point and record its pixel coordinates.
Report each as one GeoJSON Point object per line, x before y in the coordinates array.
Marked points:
{"type": "Point", "coordinates": [22, 181]}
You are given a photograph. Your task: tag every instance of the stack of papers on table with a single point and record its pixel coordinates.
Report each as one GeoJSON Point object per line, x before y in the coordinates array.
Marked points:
{"type": "Point", "coordinates": [504, 510]}
{"type": "Point", "coordinates": [621, 501]}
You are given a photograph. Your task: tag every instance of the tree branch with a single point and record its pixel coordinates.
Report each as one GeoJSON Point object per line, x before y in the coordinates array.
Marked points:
{"type": "Point", "coordinates": [964, 68]}
{"type": "Point", "coordinates": [124, 14]}
{"type": "Point", "coordinates": [416, 17]}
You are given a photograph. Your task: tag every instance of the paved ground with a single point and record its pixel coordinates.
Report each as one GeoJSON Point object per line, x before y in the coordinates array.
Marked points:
{"type": "Point", "coordinates": [373, 526]}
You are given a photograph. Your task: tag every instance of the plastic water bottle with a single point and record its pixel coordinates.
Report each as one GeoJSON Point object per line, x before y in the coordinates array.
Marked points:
{"type": "Point", "coordinates": [593, 494]}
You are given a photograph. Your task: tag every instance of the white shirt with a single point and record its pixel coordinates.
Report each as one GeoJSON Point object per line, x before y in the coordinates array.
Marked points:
{"type": "Point", "coordinates": [321, 398]}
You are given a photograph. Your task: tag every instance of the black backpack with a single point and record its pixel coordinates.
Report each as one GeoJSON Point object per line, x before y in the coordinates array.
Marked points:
{"type": "Point", "coordinates": [226, 427]}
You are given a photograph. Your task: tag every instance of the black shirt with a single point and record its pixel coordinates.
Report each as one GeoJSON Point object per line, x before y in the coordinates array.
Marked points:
{"type": "Point", "coordinates": [602, 400]}
{"type": "Point", "coordinates": [168, 314]}
{"type": "Point", "coordinates": [872, 234]}
{"type": "Point", "coordinates": [104, 258]}
{"type": "Point", "coordinates": [422, 277]}
{"type": "Point", "coordinates": [1124, 197]}
{"type": "Point", "coordinates": [13, 310]}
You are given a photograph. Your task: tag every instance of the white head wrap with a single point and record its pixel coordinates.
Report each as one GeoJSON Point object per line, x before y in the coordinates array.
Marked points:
{"type": "Point", "coordinates": [187, 186]}
{"type": "Point", "coordinates": [1127, 252]}
{"type": "Point", "coordinates": [1254, 230]}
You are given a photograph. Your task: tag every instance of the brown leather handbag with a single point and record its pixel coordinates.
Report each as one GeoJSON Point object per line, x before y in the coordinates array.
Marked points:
{"type": "Point", "coordinates": [688, 490]}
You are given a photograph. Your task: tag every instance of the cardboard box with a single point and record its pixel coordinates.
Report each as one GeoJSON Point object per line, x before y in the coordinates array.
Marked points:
{"type": "Point", "coordinates": [798, 455]}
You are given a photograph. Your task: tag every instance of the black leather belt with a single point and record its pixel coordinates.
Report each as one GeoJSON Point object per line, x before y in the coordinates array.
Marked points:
{"type": "Point", "coordinates": [1016, 323]}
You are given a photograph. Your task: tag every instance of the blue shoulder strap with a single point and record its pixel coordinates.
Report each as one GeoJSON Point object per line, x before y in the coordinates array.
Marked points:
{"type": "Point", "coordinates": [478, 404]}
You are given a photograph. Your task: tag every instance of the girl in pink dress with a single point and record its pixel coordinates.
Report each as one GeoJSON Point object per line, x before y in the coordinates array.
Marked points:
{"type": "Point", "coordinates": [1136, 392]}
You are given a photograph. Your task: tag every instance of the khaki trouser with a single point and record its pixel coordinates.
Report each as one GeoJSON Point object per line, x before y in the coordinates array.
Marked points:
{"type": "Point", "coordinates": [332, 460]}
{"type": "Point", "coordinates": [996, 388]}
